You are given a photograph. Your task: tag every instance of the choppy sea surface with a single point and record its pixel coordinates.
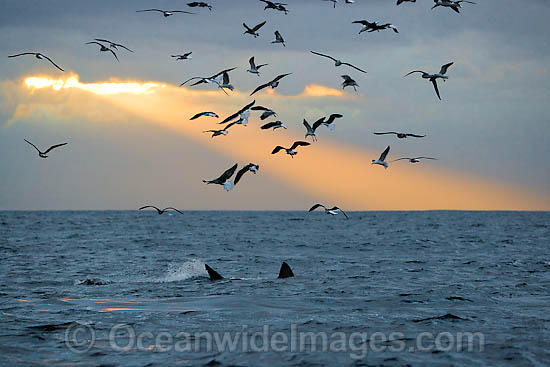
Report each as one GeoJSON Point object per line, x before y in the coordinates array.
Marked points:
{"type": "Point", "coordinates": [128, 288]}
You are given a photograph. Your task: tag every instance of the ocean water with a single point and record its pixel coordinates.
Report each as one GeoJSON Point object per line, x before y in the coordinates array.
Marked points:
{"type": "Point", "coordinates": [128, 288]}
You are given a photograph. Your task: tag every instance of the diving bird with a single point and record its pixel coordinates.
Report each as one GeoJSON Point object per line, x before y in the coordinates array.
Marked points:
{"type": "Point", "coordinates": [455, 5]}
{"type": "Point", "coordinates": [349, 82]}
{"type": "Point", "coordinates": [274, 124]}
{"type": "Point", "coordinates": [254, 30]}
{"type": "Point", "coordinates": [166, 13]}
{"type": "Point", "coordinates": [382, 160]}
{"type": "Point", "coordinates": [160, 211]}
{"type": "Point", "coordinates": [433, 77]}
{"type": "Point", "coordinates": [200, 4]}
{"type": "Point", "coordinates": [250, 167]}
{"type": "Point", "coordinates": [44, 154]}
{"type": "Point", "coordinates": [414, 160]}
{"type": "Point", "coordinates": [209, 114]}
{"type": "Point", "coordinates": [112, 44]}
{"type": "Point", "coordinates": [310, 130]}
{"type": "Point", "coordinates": [330, 122]}
{"type": "Point", "coordinates": [290, 151]}
{"type": "Point", "coordinates": [401, 135]}
{"type": "Point", "coordinates": [273, 83]}
{"type": "Point", "coordinates": [39, 56]}
{"type": "Point", "coordinates": [239, 113]}
{"type": "Point", "coordinates": [254, 69]}
{"type": "Point", "coordinates": [332, 211]}
{"type": "Point", "coordinates": [104, 49]}
{"type": "Point", "coordinates": [224, 178]}
{"type": "Point", "coordinates": [399, 2]}
{"type": "Point", "coordinates": [275, 6]}
{"type": "Point", "coordinates": [374, 26]}
{"type": "Point", "coordinates": [185, 56]}
{"type": "Point", "coordinates": [223, 131]}
{"type": "Point", "coordinates": [338, 62]}
{"type": "Point", "coordinates": [279, 38]}
{"type": "Point", "coordinates": [267, 112]}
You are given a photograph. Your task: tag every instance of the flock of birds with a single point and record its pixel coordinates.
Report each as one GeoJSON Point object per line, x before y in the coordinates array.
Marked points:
{"type": "Point", "coordinates": [240, 117]}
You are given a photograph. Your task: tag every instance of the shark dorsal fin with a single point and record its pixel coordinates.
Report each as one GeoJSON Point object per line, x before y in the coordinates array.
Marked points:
{"type": "Point", "coordinates": [212, 273]}
{"type": "Point", "coordinates": [285, 272]}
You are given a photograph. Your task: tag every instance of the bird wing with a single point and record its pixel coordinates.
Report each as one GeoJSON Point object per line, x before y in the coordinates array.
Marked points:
{"type": "Point", "coordinates": [233, 116]}
{"type": "Point", "coordinates": [227, 174]}
{"type": "Point", "coordinates": [222, 72]}
{"type": "Point", "coordinates": [124, 47]}
{"type": "Point", "coordinates": [384, 154]}
{"type": "Point", "coordinates": [150, 206]}
{"type": "Point", "coordinates": [114, 54]}
{"type": "Point", "coordinates": [241, 172]}
{"type": "Point", "coordinates": [340, 210]}
{"type": "Point", "coordinates": [260, 108]}
{"type": "Point", "coordinates": [416, 136]}
{"type": "Point", "coordinates": [277, 149]}
{"type": "Point", "coordinates": [279, 77]}
{"type": "Point", "coordinates": [385, 133]}
{"type": "Point", "coordinates": [355, 67]}
{"type": "Point", "coordinates": [363, 22]}
{"type": "Point", "coordinates": [332, 117]}
{"type": "Point", "coordinates": [307, 125]}
{"type": "Point", "coordinates": [251, 62]}
{"type": "Point", "coordinates": [277, 35]}
{"type": "Point", "coordinates": [53, 63]}
{"type": "Point", "coordinates": [269, 125]}
{"type": "Point", "coordinates": [266, 114]}
{"type": "Point", "coordinates": [415, 71]}
{"type": "Point", "coordinates": [230, 124]}
{"type": "Point", "coordinates": [188, 80]}
{"type": "Point", "coordinates": [170, 208]}
{"type": "Point", "coordinates": [258, 26]}
{"type": "Point", "coordinates": [38, 150]}
{"type": "Point", "coordinates": [299, 144]}
{"type": "Point", "coordinates": [260, 88]}
{"type": "Point", "coordinates": [204, 114]}
{"type": "Point", "coordinates": [323, 55]}
{"type": "Point", "coordinates": [346, 78]}
{"type": "Point", "coordinates": [435, 159]}
{"type": "Point", "coordinates": [318, 123]}
{"type": "Point", "coordinates": [401, 159]}
{"type": "Point", "coordinates": [445, 67]}
{"type": "Point", "coordinates": [225, 78]}
{"type": "Point", "coordinates": [141, 11]}
{"type": "Point", "coordinates": [54, 146]}
{"type": "Point", "coordinates": [316, 206]}
{"type": "Point", "coordinates": [248, 29]}
{"type": "Point", "coordinates": [434, 82]}
{"type": "Point", "coordinates": [24, 53]}
{"type": "Point", "coordinates": [181, 11]}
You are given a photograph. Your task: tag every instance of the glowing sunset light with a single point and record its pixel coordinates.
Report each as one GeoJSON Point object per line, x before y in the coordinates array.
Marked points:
{"type": "Point", "coordinates": [104, 88]}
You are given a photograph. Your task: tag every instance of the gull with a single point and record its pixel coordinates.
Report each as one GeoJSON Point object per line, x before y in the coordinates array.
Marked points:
{"type": "Point", "coordinates": [200, 4]}
{"type": "Point", "coordinates": [402, 1]}
{"type": "Point", "coordinates": [332, 211]}
{"type": "Point", "coordinates": [166, 13]}
{"type": "Point", "coordinates": [374, 26]}
{"type": "Point", "coordinates": [268, 112]}
{"type": "Point", "coordinates": [279, 38]}
{"type": "Point", "coordinates": [112, 44]}
{"type": "Point", "coordinates": [274, 124]}
{"type": "Point", "coordinates": [223, 131]}
{"type": "Point", "coordinates": [104, 49]}
{"type": "Point", "coordinates": [39, 56]}
{"type": "Point", "coordinates": [337, 62]}
{"type": "Point", "coordinates": [401, 135]}
{"type": "Point", "coordinates": [254, 30]}
{"type": "Point", "coordinates": [433, 77]}
{"type": "Point", "coordinates": [224, 179]}
{"type": "Point", "coordinates": [200, 114]}
{"type": "Point", "coordinates": [44, 154]}
{"type": "Point", "coordinates": [214, 79]}
{"type": "Point", "coordinates": [414, 160]}
{"type": "Point", "coordinates": [382, 160]}
{"type": "Point", "coordinates": [290, 151]}
{"type": "Point", "coordinates": [255, 69]}
{"type": "Point", "coordinates": [455, 5]}
{"type": "Point", "coordinates": [273, 83]}
{"type": "Point", "coordinates": [349, 82]}
{"type": "Point", "coordinates": [275, 6]}
{"type": "Point", "coordinates": [239, 113]}
{"type": "Point", "coordinates": [185, 56]}
{"type": "Point", "coordinates": [330, 124]}
{"type": "Point", "coordinates": [160, 211]}
{"type": "Point", "coordinates": [310, 131]}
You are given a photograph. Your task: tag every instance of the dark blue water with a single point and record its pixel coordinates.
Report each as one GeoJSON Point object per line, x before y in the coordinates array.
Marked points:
{"type": "Point", "coordinates": [391, 288]}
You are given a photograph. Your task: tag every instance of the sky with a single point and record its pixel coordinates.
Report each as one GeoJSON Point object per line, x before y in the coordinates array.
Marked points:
{"type": "Point", "coordinates": [131, 142]}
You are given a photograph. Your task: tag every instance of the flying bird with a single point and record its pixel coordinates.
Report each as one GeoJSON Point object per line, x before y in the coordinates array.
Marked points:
{"type": "Point", "coordinates": [310, 130]}
{"type": "Point", "coordinates": [166, 13]}
{"type": "Point", "coordinates": [455, 5]}
{"type": "Point", "coordinates": [290, 151]}
{"type": "Point", "coordinates": [112, 44]}
{"type": "Point", "coordinates": [160, 211]}
{"type": "Point", "coordinates": [273, 83]}
{"type": "Point", "coordinates": [254, 69]}
{"type": "Point", "coordinates": [223, 131]}
{"type": "Point", "coordinates": [414, 160]}
{"type": "Point", "coordinates": [200, 4]}
{"type": "Point", "coordinates": [275, 6]}
{"type": "Point", "coordinates": [226, 82]}
{"type": "Point", "coordinates": [433, 77]}
{"type": "Point", "coordinates": [401, 135]}
{"type": "Point", "coordinates": [239, 113]}
{"type": "Point", "coordinates": [279, 38]}
{"type": "Point", "coordinates": [374, 26]}
{"type": "Point", "coordinates": [349, 82]}
{"type": "Point", "coordinates": [254, 30]}
{"type": "Point", "coordinates": [44, 154]}
{"type": "Point", "coordinates": [209, 114]}
{"type": "Point", "coordinates": [399, 2]}
{"type": "Point", "coordinates": [274, 124]}
{"type": "Point", "coordinates": [382, 160]}
{"type": "Point", "coordinates": [185, 56]}
{"type": "Point", "coordinates": [225, 178]}
{"type": "Point", "coordinates": [104, 49]}
{"type": "Point", "coordinates": [214, 79]}
{"type": "Point", "coordinates": [39, 56]}
{"type": "Point", "coordinates": [338, 62]}
{"type": "Point", "coordinates": [250, 167]}
{"type": "Point", "coordinates": [332, 211]}
{"type": "Point", "coordinates": [330, 123]}
{"type": "Point", "coordinates": [267, 112]}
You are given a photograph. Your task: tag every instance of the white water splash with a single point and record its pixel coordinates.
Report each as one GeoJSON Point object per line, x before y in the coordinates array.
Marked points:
{"type": "Point", "coordinates": [187, 270]}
